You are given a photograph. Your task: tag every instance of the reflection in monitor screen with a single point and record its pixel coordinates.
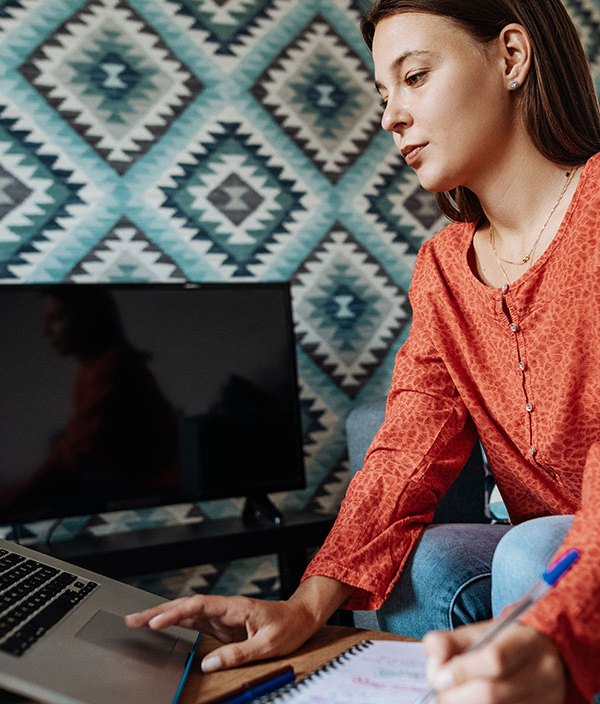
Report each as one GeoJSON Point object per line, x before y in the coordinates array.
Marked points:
{"type": "Point", "coordinates": [124, 396]}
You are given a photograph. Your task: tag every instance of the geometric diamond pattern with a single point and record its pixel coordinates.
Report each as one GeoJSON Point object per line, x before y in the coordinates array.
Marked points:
{"type": "Point", "coordinates": [348, 310]}
{"type": "Point", "coordinates": [320, 92]}
{"type": "Point", "coordinates": [112, 78]}
{"type": "Point", "coordinates": [41, 195]}
{"type": "Point", "coordinates": [231, 198]}
{"type": "Point", "coordinates": [125, 254]}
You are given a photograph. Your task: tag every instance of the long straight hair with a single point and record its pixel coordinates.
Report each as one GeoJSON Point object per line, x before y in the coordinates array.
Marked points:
{"type": "Point", "coordinates": [558, 100]}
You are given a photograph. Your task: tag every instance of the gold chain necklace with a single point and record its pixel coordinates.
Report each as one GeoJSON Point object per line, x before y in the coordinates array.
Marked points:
{"type": "Point", "coordinates": [529, 256]}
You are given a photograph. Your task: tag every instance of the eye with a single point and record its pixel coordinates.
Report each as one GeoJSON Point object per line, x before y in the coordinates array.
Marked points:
{"type": "Point", "coordinates": [383, 103]}
{"type": "Point", "coordinates": [414, 79]}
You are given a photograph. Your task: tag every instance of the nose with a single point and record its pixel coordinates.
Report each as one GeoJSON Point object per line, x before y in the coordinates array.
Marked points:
{"type": "Point", "coordinates": [396, 116]}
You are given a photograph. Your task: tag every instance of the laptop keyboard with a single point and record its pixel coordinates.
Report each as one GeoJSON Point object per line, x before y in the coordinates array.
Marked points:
{"type": "Point", "coordinates": [33, 598]}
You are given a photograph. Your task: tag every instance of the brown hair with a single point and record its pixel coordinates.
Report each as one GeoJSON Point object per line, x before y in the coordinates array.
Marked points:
{"type": "Point", "coordinates": [558, 99]}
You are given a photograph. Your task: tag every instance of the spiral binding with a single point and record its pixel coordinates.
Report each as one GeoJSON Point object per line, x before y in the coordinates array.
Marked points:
{"type": "Point", "coordinates": [285, 693]}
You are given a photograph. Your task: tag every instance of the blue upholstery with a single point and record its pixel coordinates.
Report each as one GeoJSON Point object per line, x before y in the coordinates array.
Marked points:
{"type": "Point", "coordinates": [465, 500]}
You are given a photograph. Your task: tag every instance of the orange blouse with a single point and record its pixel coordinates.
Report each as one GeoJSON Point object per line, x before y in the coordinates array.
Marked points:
{"type": "Point", "coordinates": [518, 368]}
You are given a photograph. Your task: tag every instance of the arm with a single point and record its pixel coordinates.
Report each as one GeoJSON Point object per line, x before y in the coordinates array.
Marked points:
{"type": "Point", "coordinates": [420, 449]}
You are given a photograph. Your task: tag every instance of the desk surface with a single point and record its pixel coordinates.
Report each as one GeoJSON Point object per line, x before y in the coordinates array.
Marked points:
{"type": "Point", "coordinates": [326, 644]}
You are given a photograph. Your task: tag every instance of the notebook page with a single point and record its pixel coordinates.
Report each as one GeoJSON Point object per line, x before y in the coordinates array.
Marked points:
{"type": "Point", "coordinates": [373, 672]}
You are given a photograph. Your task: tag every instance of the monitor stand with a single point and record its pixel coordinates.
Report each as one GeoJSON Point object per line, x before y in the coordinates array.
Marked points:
{"type": "Point", "coordinates": [260, 509]}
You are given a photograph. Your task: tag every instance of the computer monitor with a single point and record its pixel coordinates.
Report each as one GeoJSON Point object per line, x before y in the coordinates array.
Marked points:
{"type": "Point", "coordinates": [123, 396]}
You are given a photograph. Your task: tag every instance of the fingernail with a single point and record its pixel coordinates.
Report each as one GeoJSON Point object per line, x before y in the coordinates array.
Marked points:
{"type": "Point", "coordinates": [443, 678]}
{"type": "Point", "coordinates": [211, 664]}
{"type": "Point", "coordinates": [155, 621]}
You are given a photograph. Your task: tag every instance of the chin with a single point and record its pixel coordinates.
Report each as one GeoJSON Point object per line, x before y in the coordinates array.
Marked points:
{"type": "Point", "coordinates": [437, 183]}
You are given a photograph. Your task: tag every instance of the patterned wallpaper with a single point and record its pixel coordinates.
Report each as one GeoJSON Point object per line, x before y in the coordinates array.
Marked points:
{"type": "Point", "coordinates": [210, 140]}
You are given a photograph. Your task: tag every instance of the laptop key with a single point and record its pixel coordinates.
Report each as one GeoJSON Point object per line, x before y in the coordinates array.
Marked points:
{"type": "Point", "coordinates": [26, 636]}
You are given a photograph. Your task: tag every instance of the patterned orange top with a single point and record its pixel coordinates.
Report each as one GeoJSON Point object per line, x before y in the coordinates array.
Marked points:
{"type": "Point", "coordinates": [520, 369]}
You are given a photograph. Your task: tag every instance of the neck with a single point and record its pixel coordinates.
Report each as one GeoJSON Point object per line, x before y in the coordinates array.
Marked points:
{"type": "Point", "coordinates": [518, 195]}
{"type": "Point", "coordinates": [525, 197]}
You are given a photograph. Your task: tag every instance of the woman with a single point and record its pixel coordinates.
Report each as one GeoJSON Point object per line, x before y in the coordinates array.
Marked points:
{"type": "Point", "coordinates": [494, 109]}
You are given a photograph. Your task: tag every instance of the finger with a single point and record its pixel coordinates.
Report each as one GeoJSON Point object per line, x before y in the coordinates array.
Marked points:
{"type": "Point", "coordinates": [191, 609]}
{"type": "Point", "coordinates": [509, 652]}
{"type": "Point", "coordinates": [441, 646]}
{"type": "Point", "coordinates": [239, 653]}
{"type": "Point", "coordinates": [141, 618]}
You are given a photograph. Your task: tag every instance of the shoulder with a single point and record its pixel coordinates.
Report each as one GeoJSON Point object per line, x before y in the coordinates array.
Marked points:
{"type": "Point", "coordinates": [585, 212]}
{"type": "Point", "coordinates": [589, 188]}
{"type": "Point", "coordinates": [444, 256]}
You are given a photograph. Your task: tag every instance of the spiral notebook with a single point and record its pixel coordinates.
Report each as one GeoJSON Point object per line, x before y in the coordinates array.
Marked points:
{"type": "Point", "coordinates": [371, 672]}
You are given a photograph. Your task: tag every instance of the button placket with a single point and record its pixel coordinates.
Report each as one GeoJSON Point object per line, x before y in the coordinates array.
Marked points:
{"type": "Point", "coordinates": [515, 328]}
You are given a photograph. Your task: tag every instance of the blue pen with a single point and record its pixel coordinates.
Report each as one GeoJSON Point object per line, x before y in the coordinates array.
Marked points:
{"type": "Point", "coordinates": [548, 579]}
{"type": "Point", "coordinates": [259, 689]}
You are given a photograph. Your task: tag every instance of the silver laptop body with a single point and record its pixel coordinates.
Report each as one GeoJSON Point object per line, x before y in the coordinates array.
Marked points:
{"type": "Point", "coordinates": [89, 656]}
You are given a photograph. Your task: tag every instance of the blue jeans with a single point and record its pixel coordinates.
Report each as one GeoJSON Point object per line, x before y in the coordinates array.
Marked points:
{"type": "Point", "coordinates": [468, 572]}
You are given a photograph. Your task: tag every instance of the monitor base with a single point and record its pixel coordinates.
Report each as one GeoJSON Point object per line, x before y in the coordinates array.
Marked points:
{"type": "Point", "coordinates": [260, 509]}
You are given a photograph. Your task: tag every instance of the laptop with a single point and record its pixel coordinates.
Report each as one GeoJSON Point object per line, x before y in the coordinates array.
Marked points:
{"type": "Point", "coordinates": [63, 640]}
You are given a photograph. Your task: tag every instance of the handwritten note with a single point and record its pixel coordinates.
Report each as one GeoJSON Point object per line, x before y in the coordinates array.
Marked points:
{"type": "Point", "coordinates": [380, 672]}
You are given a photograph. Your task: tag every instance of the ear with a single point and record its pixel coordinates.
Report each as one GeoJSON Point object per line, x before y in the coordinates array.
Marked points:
{"type": "Point", "coordinates": [516, 51]}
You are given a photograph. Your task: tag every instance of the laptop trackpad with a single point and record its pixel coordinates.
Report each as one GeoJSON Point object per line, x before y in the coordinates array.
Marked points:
{"type": "Point", "coordinates": [109, 631]}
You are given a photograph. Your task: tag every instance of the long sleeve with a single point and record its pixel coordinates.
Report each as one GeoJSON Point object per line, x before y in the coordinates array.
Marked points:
{"type": "Point", "coordinates": [423, 444]}
{"type": "Point", "coordinates": [570, 614]}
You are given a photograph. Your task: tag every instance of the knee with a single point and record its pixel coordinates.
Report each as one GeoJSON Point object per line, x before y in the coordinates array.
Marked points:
{"type": "Point", "coordinates": [522, 555]}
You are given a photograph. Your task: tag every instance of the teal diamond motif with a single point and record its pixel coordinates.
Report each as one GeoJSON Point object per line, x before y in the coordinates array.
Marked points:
{"type": "Point", "coordinates": [114, 77]}
{"type": "Point", "coordinates": [348, 311]}
{"type": "Point", "coordinates": [345, 309]}
{"type": "Point", "coordinates": [329, 95]}
{"type": "Point", "coordinates": [109, 73]}
{"type": "Point", "coordinates": [231, 195]}
{"type": "Point", "coordinates": [110, 76]}
{"type": "Point", "coordinates": [319, 91]}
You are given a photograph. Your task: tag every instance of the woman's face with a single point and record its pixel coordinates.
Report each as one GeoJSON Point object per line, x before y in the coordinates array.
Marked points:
{"type": "Point", "coordinates": [446, 98]}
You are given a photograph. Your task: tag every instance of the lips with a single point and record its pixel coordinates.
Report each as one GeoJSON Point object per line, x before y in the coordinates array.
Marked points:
{"type": "Point", "coordinates": [411, 152]}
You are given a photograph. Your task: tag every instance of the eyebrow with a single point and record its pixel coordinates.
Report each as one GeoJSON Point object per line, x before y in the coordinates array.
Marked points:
{"type": "Point", "coordinates": [399, 60]}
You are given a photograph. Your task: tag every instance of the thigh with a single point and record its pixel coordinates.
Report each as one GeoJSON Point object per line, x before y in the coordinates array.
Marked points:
{"type": "Point", "coordinates": [446, 581]}
{"type": "Point", "coordinates": [522, 556]}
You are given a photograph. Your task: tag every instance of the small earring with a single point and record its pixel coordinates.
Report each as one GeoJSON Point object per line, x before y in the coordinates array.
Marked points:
{"type": "Point", "coordinates": [513, 85]}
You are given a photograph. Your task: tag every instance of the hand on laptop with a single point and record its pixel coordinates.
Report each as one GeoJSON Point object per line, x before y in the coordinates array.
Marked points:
{"type": "Point", "coordinates": [253, 629]}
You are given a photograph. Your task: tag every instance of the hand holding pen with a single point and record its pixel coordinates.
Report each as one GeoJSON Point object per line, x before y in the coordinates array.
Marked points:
{"type": "Point", "coordinates": [548, 579]}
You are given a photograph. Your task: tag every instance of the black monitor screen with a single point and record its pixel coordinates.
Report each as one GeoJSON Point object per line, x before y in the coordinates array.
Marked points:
{"type": "Point", "coordinates": [121, 396]}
